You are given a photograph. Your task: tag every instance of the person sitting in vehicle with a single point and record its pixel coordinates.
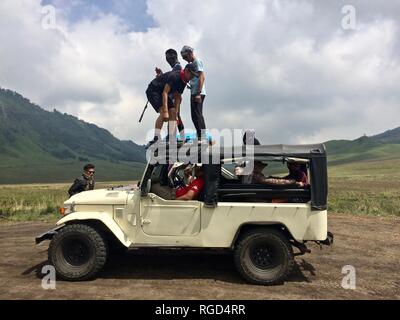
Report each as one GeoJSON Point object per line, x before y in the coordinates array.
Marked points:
{"type": "Point", "coordinates": [296, 173]}
{"type": "Point", "coordinates": [258, 177]}
{"type": "Point", "coordinates": [187, 193]}
{"type": "Point", "coordinates": [249, 138]}
{"type": "Point", "coordinates": [195, 186]}
{"type": "Point", "coordinates": [244, 174]}
{"type": "Point", "coordinates": [240, 170]}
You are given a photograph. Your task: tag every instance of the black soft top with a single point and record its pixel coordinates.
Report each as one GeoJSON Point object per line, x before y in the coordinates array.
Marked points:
{"type": "Point", "coordinates": [307, 151]}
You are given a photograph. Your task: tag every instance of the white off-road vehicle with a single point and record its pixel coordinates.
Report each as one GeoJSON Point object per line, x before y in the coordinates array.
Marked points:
{"type": "Point", "coordinates": [261, 225]}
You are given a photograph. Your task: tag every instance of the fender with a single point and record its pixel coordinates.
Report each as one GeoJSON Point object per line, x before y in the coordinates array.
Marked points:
{"type": "Point", "coordinates": [88, 216]}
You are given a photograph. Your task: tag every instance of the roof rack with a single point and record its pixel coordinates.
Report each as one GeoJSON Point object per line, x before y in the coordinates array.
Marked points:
{"type": "Point", "coordinates": [165, 153]}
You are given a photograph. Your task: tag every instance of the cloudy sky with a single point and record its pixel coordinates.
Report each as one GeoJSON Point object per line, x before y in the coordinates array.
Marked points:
{"type": "Point", "coordinates": [286, 68]}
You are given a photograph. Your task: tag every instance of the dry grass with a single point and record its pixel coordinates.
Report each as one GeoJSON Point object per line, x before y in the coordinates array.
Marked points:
{"type": "Point", "coordinates": [35, 202]}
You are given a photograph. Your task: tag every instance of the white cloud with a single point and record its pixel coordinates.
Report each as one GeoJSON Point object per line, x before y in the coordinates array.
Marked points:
{"type": "Point", "coordinates": [285, 68]}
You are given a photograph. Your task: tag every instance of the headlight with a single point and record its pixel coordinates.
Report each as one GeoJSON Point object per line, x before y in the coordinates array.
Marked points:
{"type": "Point", "coordinates": [67, 209]}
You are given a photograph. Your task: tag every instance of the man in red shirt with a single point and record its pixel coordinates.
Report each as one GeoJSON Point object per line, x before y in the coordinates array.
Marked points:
{"type": "Point", "coordinates": [192, 191]}
{"type": "Point", "coordinates": [187, 193]}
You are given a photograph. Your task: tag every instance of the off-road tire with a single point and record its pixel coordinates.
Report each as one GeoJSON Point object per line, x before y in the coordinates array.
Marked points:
{"type": "Point", "coordinates": [264, 256]}
{"type": "Point", "coordinates": [74, 242]}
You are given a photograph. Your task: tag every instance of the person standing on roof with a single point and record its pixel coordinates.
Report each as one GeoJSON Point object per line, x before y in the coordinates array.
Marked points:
{"type": "Point", "coordinates": [159, 94]}
{"type": "Point", "coordinates": [198, 92]}
{"type": "Point", "coordinates": [172, 58]}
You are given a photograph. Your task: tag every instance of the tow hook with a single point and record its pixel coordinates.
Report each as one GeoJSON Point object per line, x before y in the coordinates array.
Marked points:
{"type": "Point", "coordinates": [328, 241]}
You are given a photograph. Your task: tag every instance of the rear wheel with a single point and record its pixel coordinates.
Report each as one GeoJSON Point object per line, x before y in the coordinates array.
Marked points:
{"type": "Point", "coordinates": [78, 252]}
{"type": "Point", "coordinates": [264, 257]}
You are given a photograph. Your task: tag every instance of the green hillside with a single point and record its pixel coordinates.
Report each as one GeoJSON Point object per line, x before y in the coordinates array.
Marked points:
{"type": "Point", "coordinates": [384, 146]}
{"type": "Point", "coordinates": [41, 146]}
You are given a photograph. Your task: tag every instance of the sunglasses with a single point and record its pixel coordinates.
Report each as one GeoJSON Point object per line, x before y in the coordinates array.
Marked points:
{"type": "Point", "coordinates": [92, 172]}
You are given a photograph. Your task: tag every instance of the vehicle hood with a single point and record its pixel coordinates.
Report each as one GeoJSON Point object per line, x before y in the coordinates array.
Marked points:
{"type": "Point", "coordinates": [117, 196]}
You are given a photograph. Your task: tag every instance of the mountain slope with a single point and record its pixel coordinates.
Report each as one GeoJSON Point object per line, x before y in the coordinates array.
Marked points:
{"type": "Point", "coordinates": [383, 146]}
{"type": "Point", "coordinates": [33, 140]}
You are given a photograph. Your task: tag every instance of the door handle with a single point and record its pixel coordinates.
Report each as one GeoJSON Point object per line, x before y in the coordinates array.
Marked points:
{"type": "Point", "coordinates": [146, 221]}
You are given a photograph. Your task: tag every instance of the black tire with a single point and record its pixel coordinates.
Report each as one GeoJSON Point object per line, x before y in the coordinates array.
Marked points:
{"type": "Point", "coordinates": [78, 252]}
{"type": "Point", "coordinates": [264, 257]}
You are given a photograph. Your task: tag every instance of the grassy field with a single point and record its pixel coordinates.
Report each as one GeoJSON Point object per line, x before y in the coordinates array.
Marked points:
{"type": "Point", "coordinates": [36, 202]}
{"type": "Point", "coordinates": [363, 188]}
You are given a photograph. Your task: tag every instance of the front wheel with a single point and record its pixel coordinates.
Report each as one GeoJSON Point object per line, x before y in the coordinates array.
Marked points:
{"type": "Point", "coordinates": [264, 257]}
{"type": "Point", "coordinates": [78, 252]}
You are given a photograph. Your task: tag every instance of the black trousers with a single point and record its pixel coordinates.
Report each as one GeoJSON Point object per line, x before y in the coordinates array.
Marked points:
{"type": "Point", "coordinates": [180, 124]}
{"type": "Point", "coordinates": [197, 115]}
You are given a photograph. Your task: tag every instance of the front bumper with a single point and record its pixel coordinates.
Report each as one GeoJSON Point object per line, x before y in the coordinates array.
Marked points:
{"type": "Point", "coordinates": [48, 235]}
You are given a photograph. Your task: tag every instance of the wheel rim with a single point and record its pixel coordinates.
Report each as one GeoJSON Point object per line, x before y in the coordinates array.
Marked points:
{"type": "Point", "coordinates": [264, 256]}
{"type": "Point", "coordinates": [76, 251]}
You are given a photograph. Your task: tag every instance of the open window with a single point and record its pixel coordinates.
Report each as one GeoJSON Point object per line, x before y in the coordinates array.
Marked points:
{"type": "Point", "coordinates": [170, 177]}
{"type": "Point", "coordinates": [242, 188]}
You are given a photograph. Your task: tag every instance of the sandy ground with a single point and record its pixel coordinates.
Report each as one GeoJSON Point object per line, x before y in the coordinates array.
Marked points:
{"type": "Point", "coordinates": [370, 244]}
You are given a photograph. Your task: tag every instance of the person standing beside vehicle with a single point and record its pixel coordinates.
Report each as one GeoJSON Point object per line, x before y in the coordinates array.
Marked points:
{"type": "Point", "coordinates": [85, 183]}
{"type": "Point", "coordinates": [198, 92]}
